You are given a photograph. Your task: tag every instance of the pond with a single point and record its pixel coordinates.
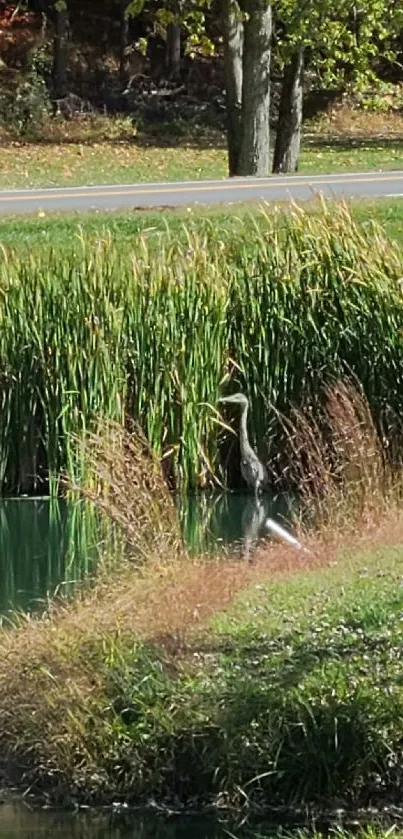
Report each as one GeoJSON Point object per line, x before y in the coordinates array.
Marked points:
{"type": "Point", "coordinates": [21, 821]}
{"type": "Point", "coordinates": [46, 546]}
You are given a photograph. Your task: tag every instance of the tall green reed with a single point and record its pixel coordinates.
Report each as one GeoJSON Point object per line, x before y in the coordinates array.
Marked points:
{"type": "Point", "coordinates": [156, 329]}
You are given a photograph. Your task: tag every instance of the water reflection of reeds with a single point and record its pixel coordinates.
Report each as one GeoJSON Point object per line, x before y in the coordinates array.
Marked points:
{"type": "Point", "coordinates": [46, 546]}
{"type": "Point", "coordinates": [18, 820]}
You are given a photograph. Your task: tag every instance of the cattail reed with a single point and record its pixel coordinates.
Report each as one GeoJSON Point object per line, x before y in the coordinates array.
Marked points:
{"type": "Point", "coordinates": [154, 329]}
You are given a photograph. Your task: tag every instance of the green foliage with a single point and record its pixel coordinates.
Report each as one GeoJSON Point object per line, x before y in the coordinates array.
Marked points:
{"type": "Point", "coordinates": [25, 103]}
{"type": "Point", "coordinates": [342, 42]}
{"type": "Point", "coordinates": [191, 15]}
{"type": "Point", "coordinates": [135, 7]}
{"type": "Point", "coordinates": [381, 98]}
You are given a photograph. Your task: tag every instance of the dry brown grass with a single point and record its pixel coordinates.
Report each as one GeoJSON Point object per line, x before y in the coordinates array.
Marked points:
{"type": "Point", "coordinates": [124, 480]}
{"type": "Point", "coordinates": [344, 121]}
{"type": "Point", "coordinates": [335, 458]}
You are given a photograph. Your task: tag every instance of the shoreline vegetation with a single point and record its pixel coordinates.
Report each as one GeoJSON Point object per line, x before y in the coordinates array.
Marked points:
{"type": "Point", "coordinates": [207, 681]}
{"type": "Point", "coordinates": [277, 305]}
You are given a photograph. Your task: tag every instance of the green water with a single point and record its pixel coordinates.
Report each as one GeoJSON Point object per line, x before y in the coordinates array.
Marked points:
{"type": "Point", "coordinates": [18, 821]}
{"type": "Point", "coordinates": [47, 546]}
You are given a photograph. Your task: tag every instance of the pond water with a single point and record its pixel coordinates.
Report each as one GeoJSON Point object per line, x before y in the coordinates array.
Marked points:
{"type": "Point", "coordinates": [18, 820]}
{"type": "Point", "coordinates": [47, 545]}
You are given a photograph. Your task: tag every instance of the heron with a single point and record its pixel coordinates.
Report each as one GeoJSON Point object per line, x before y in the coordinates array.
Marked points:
{"type": "Point", "coordinates": [252, 470]}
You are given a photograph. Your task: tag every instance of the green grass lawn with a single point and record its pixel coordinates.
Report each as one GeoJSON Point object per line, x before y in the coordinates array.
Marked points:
{"type": "Point", "coordinates": [63, 231]}
{"type": "Point", "coordinates": [73, 163]}
{"type": "Point", "coordinates": [339, 155]}
{"type": "Point", "coordinates": [310, 674]}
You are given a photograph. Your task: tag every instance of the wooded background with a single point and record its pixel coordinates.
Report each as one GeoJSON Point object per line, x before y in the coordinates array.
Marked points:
{"type": "Point", "coordinates": [250, 66]}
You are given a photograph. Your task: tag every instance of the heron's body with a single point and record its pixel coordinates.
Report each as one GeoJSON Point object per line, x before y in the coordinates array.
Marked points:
{"type": "Point", "coordinates": [252, 470]}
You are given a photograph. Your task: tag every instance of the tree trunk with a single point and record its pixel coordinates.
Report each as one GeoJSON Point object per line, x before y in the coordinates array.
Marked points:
{"type": "Point", "coordinates": [173, 51]}
{"type": "Point", "coordinates": [288, 139]}
{"type": "Point", "coordinates": [124, 44]}
{"type": "Point", "coordinates": [255, 142]}
{"type": "Point", "coordinates": [59, 72]}
{"type": "Point", "coordinates": [233, 44]}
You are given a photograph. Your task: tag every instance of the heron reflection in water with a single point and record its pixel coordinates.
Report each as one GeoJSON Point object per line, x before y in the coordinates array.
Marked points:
{"type": "Point", "coordinates": [253, 521]}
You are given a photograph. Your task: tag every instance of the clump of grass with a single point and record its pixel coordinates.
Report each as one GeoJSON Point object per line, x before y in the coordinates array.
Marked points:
{"type": "Point", "coordinates": [124, 481]}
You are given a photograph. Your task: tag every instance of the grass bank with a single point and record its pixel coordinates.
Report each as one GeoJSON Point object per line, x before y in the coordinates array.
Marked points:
{"type": "Point", "coordinates": [84, 164]}
{"type": "Point", "coordinates": [155, 326]}
{"type": "Point", "coordinates": [276, 684]}
{"type": "Point", "coordinates": [271, 684]}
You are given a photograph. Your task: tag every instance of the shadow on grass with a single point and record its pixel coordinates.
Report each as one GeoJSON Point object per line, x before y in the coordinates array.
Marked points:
{"type": "Point", "coordinates": [280, 722]}
{"type": "Point", "coordinates": [347, 143]}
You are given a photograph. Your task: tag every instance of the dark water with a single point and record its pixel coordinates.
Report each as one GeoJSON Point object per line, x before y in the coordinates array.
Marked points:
{"type": "Point", "coordinates": [19, 821]}
{"type": "Point", "coordinates": [230, 519]}
{"type": "Point", "coordinates": [47, 546]}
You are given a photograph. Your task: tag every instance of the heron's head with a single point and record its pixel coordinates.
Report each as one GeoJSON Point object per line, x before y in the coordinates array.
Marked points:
{"type": "Point", "coordinates": [236, 398]}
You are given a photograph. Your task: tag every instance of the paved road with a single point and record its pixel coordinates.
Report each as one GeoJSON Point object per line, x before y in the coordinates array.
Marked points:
{"type": "Point", "coordinates": [187, 193]}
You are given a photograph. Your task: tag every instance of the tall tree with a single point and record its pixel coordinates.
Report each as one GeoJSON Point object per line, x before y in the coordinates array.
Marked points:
{"type": "Point", "coordinates": [288, 135]}
{"type": "Point", "coordinates": [173, 49]}
{"type": "Point", "coordinates": [255, 143]}
{"type": "Point", "coordinates": [124, 68]}
{"type": "Point", "coordinates": [339, 42]}
{"type": "Point", "coordinates": [233, 50]}
{"type": "Point", "coordinates": [60, 42]}
{"type": "Point", "coordinates": [247, 30]}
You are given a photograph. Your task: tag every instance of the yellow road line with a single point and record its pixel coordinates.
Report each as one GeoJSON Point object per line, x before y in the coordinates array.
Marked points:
{"type": "Point", "coordinates": [102, 193]}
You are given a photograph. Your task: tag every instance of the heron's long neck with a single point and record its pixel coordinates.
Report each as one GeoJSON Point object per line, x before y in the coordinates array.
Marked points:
{"type": "Point", "coordinates": [243, 429]}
